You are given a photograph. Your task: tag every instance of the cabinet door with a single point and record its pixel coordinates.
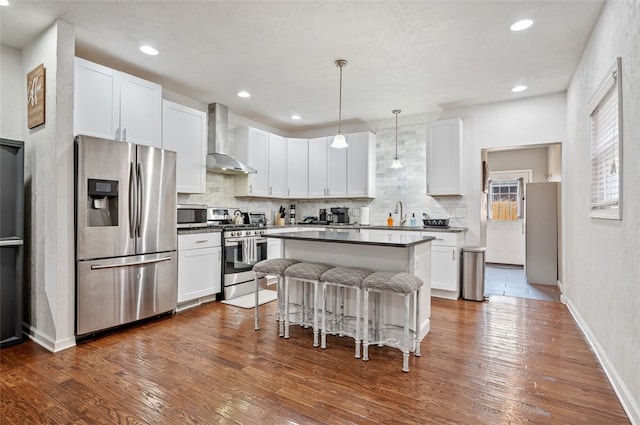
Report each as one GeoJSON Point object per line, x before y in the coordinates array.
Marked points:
{"type": "Point", "coordinates": [361, 165]}
{"type": "Point", "coordinates": [444, 157]}
{"type": "Point", "coordinates": [337, 173]}
{"type": "Point", "coordinates": [140, 110]}
{"type": "Point", "coordinates": [277, 166]}
{"type": "Point", "coordinates": [444, 266]}
{"type": "Point", "coordinates": [257, 157]}
{"type": "Point", "coordinates": [318, 167]}
{"type": "Point", "coordinates": [199, 273]}
{"type": "Point", "coordinates": [97, 106]}
{"type": "Point", "coordinates": [297, 168]}
{"type": "Point", "coordinates": [184, 130]}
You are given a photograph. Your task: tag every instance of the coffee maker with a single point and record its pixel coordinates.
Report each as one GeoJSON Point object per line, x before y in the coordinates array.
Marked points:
{"type": "Point", "coordinates": [340, 215]}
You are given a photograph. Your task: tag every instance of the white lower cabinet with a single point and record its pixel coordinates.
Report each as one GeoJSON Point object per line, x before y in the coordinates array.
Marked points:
{"type": "Point", "coordinates": [199, 266]}
{"type": "Point", "coordinates": [445, 260]}
{"type": "Point", "coordinates": [445, 264]}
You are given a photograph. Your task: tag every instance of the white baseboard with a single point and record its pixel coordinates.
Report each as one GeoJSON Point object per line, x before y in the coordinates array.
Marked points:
{"type": "Point", "coordinates": [629, 405]}
{"type": "Point", "coordinates": [47, 342]}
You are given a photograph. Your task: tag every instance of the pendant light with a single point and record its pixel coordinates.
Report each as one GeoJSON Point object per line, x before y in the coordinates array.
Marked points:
{"type": "Point", "coordinates": [339, 141]}
{"type": "Point", "coordinates": [396, 162]}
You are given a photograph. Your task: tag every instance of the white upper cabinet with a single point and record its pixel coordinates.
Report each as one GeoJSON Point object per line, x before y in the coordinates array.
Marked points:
{"type": "Point", "coordinates": [361, 165]}
{"type": "Point", "coordinates": [444, 157]}
{"type": "Point", "coordinates": [115, 105]}
{"type": "Point", "coordinates": [277, 166]}
{"type": "Point", "coordinates": [184, 130]}
{"type": "Point", "coordinates": [252, 148]}
{"type": "Point", "coordinates": [297, 168]}
{"type": "Point", "coordinates": [318, 167]}
{"type": "Point", "coordinates": [327, 169]}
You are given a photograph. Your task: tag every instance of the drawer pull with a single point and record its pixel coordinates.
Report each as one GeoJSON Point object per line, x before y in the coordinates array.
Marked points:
{"type": "Point", "coordinates": [202, 241]}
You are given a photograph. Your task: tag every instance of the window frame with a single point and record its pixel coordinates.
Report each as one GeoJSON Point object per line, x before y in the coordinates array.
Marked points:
{"type": "Point", "coordinates": [601, 209]}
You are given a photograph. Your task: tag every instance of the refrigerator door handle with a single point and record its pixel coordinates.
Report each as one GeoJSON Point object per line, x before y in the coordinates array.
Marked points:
{"type": "Point", "coordinates": [140, 197]}
{"type": "Point", "coordinates": [132, 196]}
{"type": "Point", "coordinates": [134, 263]}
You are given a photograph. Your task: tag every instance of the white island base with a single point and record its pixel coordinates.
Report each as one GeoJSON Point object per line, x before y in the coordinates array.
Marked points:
{"type": "Point", "coordinates": [410, 254]}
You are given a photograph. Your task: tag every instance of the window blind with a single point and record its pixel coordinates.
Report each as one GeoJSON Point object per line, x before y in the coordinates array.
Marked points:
{"type": "Point", "coordinates": [605, 148]}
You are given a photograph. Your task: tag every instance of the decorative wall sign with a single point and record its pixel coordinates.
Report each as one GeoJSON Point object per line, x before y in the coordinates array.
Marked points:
{"type": "Point", "coordinates": [36, 96]}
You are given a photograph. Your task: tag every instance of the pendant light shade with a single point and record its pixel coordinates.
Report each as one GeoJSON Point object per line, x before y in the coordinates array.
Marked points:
{"type": "Point", "coordinates": [339, 141]}
{"type": "Point", "coordinates": [396, 162]}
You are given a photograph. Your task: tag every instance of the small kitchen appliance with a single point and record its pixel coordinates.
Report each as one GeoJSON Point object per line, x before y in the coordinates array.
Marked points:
{"type": "Point", "coordinates": [340, 215]}
{"type": "Point", "coordinates": [192, 216]}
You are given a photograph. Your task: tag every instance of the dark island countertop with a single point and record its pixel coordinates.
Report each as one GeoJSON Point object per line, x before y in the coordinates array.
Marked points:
{"type": "Point", "coordinates": [353, 237]}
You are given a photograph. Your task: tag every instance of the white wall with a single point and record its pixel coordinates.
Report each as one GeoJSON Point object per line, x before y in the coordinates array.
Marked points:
{"type": "Point", "coordinates": [49, 253]}
{"type": "Point", "coordinates": [12, 83]}
{"type": "Point", "coordinates": [601, 263]}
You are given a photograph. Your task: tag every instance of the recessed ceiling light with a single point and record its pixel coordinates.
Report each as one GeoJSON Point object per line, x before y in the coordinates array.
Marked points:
{"type": "Point", "coordinates": [295, 117]}
{"type": "Point", "coordinates": [244, 94]}
{"type": "Point", "coordinates": [148, 50]}
{"type": "Point", "coordinates": [4, 2]}
{"type": "Point", "coordinates": [518, 89]}
{"type": "Point", "coordinates": [521, 25]}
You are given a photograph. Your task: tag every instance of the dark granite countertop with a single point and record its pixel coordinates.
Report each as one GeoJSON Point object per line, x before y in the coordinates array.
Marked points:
{"type": "Point", "coordinates": [391, 228]}
{"type": "Point", "coordinates": [353, 237]}
{"type": "Point", "coordinates": [195, 230]}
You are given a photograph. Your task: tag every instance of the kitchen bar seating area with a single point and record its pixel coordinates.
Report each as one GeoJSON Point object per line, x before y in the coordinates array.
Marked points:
{"type": "Point", "coordinates": [407, 264]}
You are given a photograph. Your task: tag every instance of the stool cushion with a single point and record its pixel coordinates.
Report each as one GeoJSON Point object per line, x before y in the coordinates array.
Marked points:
{"type": "Point", "coordinates": [404, 283]}
{"type": "Point", "coordinates": [274, 265]}
{"type": "Point", "coordinates": [308, 271]}
{"type": "Point", "coordinates": [352, 276]}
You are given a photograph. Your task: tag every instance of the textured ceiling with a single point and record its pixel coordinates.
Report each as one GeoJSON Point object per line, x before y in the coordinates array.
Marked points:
{"type": "Point", "coordinates": [418, 56]}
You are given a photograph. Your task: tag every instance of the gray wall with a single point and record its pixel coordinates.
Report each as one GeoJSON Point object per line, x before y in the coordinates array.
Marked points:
{"type": "Point", "coordinates": [602, 266]}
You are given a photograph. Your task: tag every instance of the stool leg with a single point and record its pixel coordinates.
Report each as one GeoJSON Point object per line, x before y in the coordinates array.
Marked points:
{"type": "Point", "coordinates": [280, 290]}
{"type": "Point", "coordinates": [365, 338]}
{"type": "Point", "coordinates": [315, 314]}
{"type": "Point", "coordinates": [358, 341]}
{"type": "Point", "coordinates": [256, 315]}
{"type": "Point", "coordinates": [378, 317]}
{"type": "Point", "coordinates": [286, 307]}
{"type": "Point", "coordinates": [418, 323]}
{"type": "Point", "coordinates": [405, 339]}
{"type": "Point", "coordinates": [323, 301]}
{"type": "Point", "coordinates": [340, 295]}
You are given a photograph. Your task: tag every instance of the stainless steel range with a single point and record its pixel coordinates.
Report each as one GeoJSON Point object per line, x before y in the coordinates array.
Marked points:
{"type": "Point", "coordinates": [243, 245]}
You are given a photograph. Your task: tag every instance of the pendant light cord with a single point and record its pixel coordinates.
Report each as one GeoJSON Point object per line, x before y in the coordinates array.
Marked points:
{"type": "Point", "coordinates": [340, 63]}
{"type": "Point", "coordinates": [396, 112]}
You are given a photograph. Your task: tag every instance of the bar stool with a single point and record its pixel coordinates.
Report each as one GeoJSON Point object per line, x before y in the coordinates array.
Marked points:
{"type": "Point", "coordinates": [304, 273]}
{"type": "Point", "coordinates": [406, 285]}
{"type": "Point", "coordinates": [341, 279]}
{"type": "Point", "coordinates": [273, 267]}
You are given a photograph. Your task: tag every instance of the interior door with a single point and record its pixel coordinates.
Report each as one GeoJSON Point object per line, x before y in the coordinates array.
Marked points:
{"type": "Point", "coordinates": [505, 223]}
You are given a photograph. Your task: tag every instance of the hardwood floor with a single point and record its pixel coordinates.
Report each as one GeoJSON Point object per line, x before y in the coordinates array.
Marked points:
{"type": "Point", "coordinates": [504, 361]}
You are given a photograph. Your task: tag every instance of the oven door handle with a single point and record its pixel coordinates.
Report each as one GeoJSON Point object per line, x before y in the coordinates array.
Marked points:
{"type": "Point", "coordinates": [235, 240]}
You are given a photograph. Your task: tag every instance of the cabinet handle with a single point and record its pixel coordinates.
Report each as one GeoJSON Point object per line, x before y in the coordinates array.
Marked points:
{"type": "Point", "coordinates": [288, 192]}
{"type": "Point", "coordinates": [250, 188]}
{"type": "Point", "coordinates": [219, 253]}
{"type": "Point", "coordinates": [117, 135]}
{"type": "Point", "coordinates": [328, 192]}
{"type": "Point", "coordinates": [453, 254]}
{"type": "Point", "coordinates": [202, 241]}
{"type": "Point", "coordinates": [124, 135]}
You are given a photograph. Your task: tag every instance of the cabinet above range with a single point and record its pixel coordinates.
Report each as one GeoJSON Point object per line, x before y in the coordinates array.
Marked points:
{"type": "Point", "coordinates": [305, 168]}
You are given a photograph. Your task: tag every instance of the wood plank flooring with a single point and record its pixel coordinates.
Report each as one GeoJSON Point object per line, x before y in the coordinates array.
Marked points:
{"type": "Point", "coordinates": [504, 361]}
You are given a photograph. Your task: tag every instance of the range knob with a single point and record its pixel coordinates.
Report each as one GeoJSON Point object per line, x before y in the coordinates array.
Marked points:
{"type": "Point", "coordinates": [248, 233]}
{"type": "Point", "coordinates": [233, 233]}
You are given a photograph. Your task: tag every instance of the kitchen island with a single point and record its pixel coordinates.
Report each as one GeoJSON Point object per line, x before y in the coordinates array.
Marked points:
{"type": "Point", "coordinates": [349, 248]}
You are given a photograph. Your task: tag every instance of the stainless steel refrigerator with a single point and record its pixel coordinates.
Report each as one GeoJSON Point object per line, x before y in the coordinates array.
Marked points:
{"type": "Point", "coordinates": [126, 262]}
{"type": "Point", "coordinates": [541, 218]}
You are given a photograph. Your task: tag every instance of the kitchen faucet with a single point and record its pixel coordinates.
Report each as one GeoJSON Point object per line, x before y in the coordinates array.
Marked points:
{"type": "Point", "coordinates": [403, 218]}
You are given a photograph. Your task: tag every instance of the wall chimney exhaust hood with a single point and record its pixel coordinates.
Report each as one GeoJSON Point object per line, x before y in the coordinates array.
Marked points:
{"type": "Point", "coordinates": [217, 159]}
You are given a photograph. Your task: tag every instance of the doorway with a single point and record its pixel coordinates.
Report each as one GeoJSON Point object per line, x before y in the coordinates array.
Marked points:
{"type": "Point", "coordinates": [505, 225]}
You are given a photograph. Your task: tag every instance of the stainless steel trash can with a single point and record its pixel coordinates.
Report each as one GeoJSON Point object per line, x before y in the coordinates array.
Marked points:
{"type": "Point", "coordinates": [473, 273]}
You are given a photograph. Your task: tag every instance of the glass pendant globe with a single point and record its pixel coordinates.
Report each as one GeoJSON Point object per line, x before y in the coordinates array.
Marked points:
{"type": "Point", "coordinates": [396, 163]}
{"type": "Point", "coordinates": [339, 142]}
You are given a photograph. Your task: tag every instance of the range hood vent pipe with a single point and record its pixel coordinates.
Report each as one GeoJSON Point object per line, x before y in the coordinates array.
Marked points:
{"type": "Point", "coordinates": [217, 137]}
